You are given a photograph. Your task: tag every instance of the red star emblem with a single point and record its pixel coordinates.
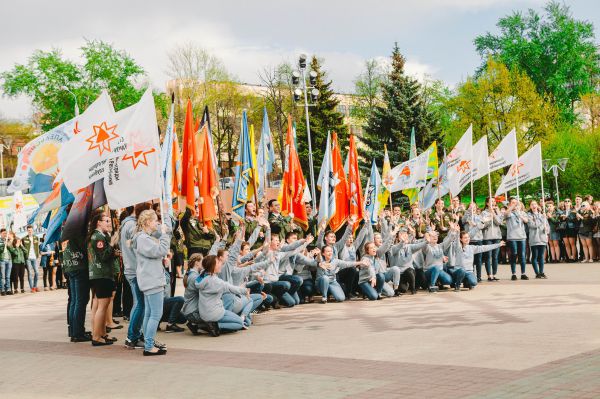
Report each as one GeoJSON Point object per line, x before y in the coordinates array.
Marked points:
{"type": "Point", "coordinates": [463, 166]}
{"type": "Point", "coordinates": [516, 168]}
{"type": "Point", "coordinates": [103, 134]}
{"type": "Point", "coordinates": [138, 157]}
{"type": "Point", "coordinates": [76, 128]}
{"type": "Point", "coordinates": [86, 194]}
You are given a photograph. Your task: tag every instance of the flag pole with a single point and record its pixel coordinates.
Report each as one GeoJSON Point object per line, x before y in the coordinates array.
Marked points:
{"type": "Point", "coordinates": [490, 188]}
{"type": "Point", "coordinates": [517, 169]}
{"type": "Point", "coordinates": [542, 176]}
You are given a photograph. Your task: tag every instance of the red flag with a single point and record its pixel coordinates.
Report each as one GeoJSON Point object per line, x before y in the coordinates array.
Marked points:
{"type": "Point", "coordinates": [188, 159]}
{"type": "Point", "coordinates": [207, 179]}
{"type": "Point", "coordinates": [341, 190]}
{"type": "Point", "coordinates": [355, 189]}
{"type": "Point", "coordinates": [293, 184]}
{"type": "Point", "coordinates": [176, 169]}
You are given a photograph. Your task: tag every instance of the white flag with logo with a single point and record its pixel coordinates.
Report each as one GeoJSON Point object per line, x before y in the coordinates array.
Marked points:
{"type": "Point", "coordinates": [409, 174]}
{"type": "Point", "coordinates": [327, 182]}
{"type": "Point", "coordinates": [506, 152]}
{"type": "Point", "coordinates": [97, 136]}
{"type": "Point", "coordinates": [135, 176]}
{"type": "Point", "coordinates": [480, 158]}
{"type": "Point", "coordinates": [527, 167]}
{"type": "Point", "coordinates": [460, 164]}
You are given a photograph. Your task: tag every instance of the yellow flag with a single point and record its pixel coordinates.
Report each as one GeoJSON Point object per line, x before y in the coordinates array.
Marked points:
{"type": "Point", "coordinates": [254, 171]}
{"type": "Point", "coordinates": [384, 193]}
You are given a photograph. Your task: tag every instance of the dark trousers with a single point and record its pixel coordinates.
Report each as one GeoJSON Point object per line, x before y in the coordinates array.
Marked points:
{"type": "Point", "coordinates": [421, 279]}
{"type": "Point", "coordinates": [17, 275]}
{"type": "Point", "coordinates": [47, 276]}
{"type": "Point", "coordinates": [407, 281]}
{"type": "Point", "coordinates": [79, 290]}
{"type": "Point", "coordinates": [477, 260]}
{"type": "Point", "coordinates": [348, 279]}
{"type": "Point", "coordinates": [59, 276]}
{"type": "Point", "coordinates": [118, 301]}
{"type": "Point", "coordinates": [127, 299]}
{"type": "Point", "coordinates": [172, 310]}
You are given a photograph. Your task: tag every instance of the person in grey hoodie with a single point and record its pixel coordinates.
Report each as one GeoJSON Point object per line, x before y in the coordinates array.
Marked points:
{"type": "Point", "coordinates": [491, 219]}
{"type": "Point", "coordinates": [149, 253]}
{"type": "Point", "coordinates": [538, 238]}
{"type": "Point", "coordinates": [210, 292]}
{"type": "Point", "coordinates": [465, 259]}
{"type": "Point", "coordinates": [474, 226]}
{"type": "Point", "coordinates": [401, 256]}
{"type": "Point", "coordinates": [136, 317]}
{"type": "Point", "coordinates": [515, 234]}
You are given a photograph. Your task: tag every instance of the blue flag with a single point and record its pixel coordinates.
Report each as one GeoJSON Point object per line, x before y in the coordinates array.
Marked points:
{"type": "Point", "coordinates": [166, 153]}
{"type": "Point", "coordinates": [266, 155]}
{"type": "Point", "coordinates": [242, 170]}
{"type": "Point", "coordinates": [55, 226]}
{"type": "Point", "coordinates": [372, 193]}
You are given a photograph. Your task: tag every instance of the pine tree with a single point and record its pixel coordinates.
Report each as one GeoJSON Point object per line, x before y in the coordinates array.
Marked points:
{"type": "Point", "coordinates": [324, 117]}
{"type": "Point", "coordinates": [402, 108]}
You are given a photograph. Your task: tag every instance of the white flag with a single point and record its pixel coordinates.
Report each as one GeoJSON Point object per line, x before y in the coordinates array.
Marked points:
{"type": "Point", "coordinates": [460, 164]}
{"type": "Point", "coordinates": [527, 167]}
{"type": "Point", "coordinates": [97, 136]}
{"type": "Point", "coordinates": [409, 174]}
{"type": "Point", "coordinates": [135, 176]}
{"type": "Point", "coordinates": [327, 182]}
{"type": "Point", "coordinates": [372, 193]}
{"type": "Point", "coordinates": [506, 152]}
{"type": "Point", "coordinates": [480, 158]}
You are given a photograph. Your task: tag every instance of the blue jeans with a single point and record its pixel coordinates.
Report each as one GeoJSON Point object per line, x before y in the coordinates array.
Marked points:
{"type": "Point", "coordinates": [393, 274]}
{"type": "Point", "coordinates": [153, 308]}
{"type": "Point", "coordinates": [538, 252]}
{"type": "Point", "coordinates": [136, 317]}
{"type": "Point", "coordinates": [280, 291]}
{"type": "Point", "coordinates": [295, 283]}
{"type": "Point", "coordinates": [32, 273]}
{"type": "Point", "coordinates": [491, 258]}
{"type": "Point", "coordinates": [517, 247]}
{"type": "Point", "coordinates": [5, 268]}
{"type": "Point", "coordinates": [457, 274]}
{"type": "Point", "coordinates": [477, 259]}
{"type": "Point", "coordinates": [172, 310]}
{"type": "Point", "coordinates": [230, 321]}
{"type": "Point", "coordinates": [369, 291]}
{"type": "Point", "coordinates": [470, 279]}
{"type": "Point", "coordinates": [433, 274]}
{"type": "Point", "coordinates": [79, 289]}
{"type": "Point", "coordinates": [334, 288]}
{"type": "Point", "coordinates": [307, 288]}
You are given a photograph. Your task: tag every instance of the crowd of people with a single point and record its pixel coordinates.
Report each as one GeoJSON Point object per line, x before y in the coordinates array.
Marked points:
{"type": "Point", "coordinates": [129, 262]}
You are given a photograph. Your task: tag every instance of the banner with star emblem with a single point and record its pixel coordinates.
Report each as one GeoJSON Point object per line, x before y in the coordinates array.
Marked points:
{"type": "Point", "coordinates": [505, 154]}
{"type": "Point", "coordinates": [135, 176]}
{"type": "Point", "coordinates": [527, 167]}
{"type": "Point", "coordinates": [460, 163]}
{"type": "Point", "coordinates": [96, 137]}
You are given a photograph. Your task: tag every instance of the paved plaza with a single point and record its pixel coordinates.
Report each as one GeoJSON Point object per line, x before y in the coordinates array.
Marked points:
{"type": "Point", "coordinates": [524, 339]}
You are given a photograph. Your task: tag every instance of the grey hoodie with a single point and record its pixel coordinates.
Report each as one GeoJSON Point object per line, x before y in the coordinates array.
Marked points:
{"type": "Point", "coordinates": [126, 234]}
{"type": "Point", "coordinates": [491, 227]}
{"type": "Point", "coordinates": [149, 253]}
{"type": "Point", "coordinates": [538, 229]}
{"type": "Point", "coordinates": [515, 228]}
{"type": "Point", "coordinates": [401, 255]}
{"type": "Point", "coordinates": [190, 295]}
{"type": "Point", "coordinates": [210, 290]}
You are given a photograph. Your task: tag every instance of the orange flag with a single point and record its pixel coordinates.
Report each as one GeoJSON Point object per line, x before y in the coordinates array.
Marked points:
{"type": "Point", "coordinates": [293, 184]}
{"type": "Point", "coordinates": [341, 190]}
{"type": "Point", "coordinates": [207, 179]}
{"type": "Point", "coordinates": [176, 169]}
{"type": "Point", "coordinates": [355, 193]}
{"type": "Point", "coordinates": [189, 162]}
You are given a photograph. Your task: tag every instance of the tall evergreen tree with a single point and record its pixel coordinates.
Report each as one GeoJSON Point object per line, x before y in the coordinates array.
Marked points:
{"type": "Point", "coordinates": [324, 117]}
{"type": "Point", "coordinates": [401, 109]}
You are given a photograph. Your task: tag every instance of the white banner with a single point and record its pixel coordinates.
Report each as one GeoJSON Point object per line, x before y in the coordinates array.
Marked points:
{"type": "Point", "coordinates": [527, 167]}
{"type": "Point", "coordinates": [327, 182]}
{"type": "Point", "coordinates": [460, 164]}
{"type": "Point", "coordinates": [135, 176]}
{"type": "Point", "coordinates": [409, 174]}
{"type": "Point", "coordinates": [480, 158]}
{"type": "Point", "coordinates": [506, 152]}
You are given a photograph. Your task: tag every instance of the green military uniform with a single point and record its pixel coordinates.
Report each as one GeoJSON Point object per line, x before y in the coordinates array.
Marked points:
{"type": "Point", "coordinates": [281, 225]}
{"type": "Point", "coordinates": [251, 225]}
{"type": "Point", "coordinates": [19, 255]}
{"type": "Point", "coordinates": [196, 240]}
{"type": "Point", "coordinates": [420, 227]}
{"type": "Point", "coordinates": [36, 245]}
{"type": "Point", "coordinates": [441, 221]}
{"type": "Point", "coordinates": [74, 256]}
{"type": "Point", "coordinates": [101, 257]}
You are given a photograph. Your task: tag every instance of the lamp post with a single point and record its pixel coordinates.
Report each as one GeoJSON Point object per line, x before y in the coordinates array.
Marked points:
{"type": "Point", "coordinates": [65, 88]}
{"type": "Point", "coordinates": [562, 165]}
{"type": "Point", "coordinates": [314, 94]}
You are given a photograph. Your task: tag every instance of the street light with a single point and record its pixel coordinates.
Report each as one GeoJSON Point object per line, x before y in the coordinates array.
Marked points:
{"type": "Point", "coordinates": [65, 88]}
{"type": "Point", "coordinates": [314, 95]}
{"type": "Point", "coordinates": [562, 165]}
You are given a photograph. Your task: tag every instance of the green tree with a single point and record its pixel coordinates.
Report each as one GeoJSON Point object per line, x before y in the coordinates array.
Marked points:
{"type": "Point", "coordinates": [402, 108]}
{"type": "Point", "coordinates": [367, 89]}
{"type": "Point", "coordinates": [324, 117]}
{"type": "Point", "coordinates": [46, 77]}
{"type": "Point", "coordinates": [496, 101]}
{"type": "Point", "coordinates": [557, 51]}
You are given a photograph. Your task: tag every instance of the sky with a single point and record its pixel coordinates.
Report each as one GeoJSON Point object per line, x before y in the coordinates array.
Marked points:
{"type": "Point", "coordinates": [436, 36]}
